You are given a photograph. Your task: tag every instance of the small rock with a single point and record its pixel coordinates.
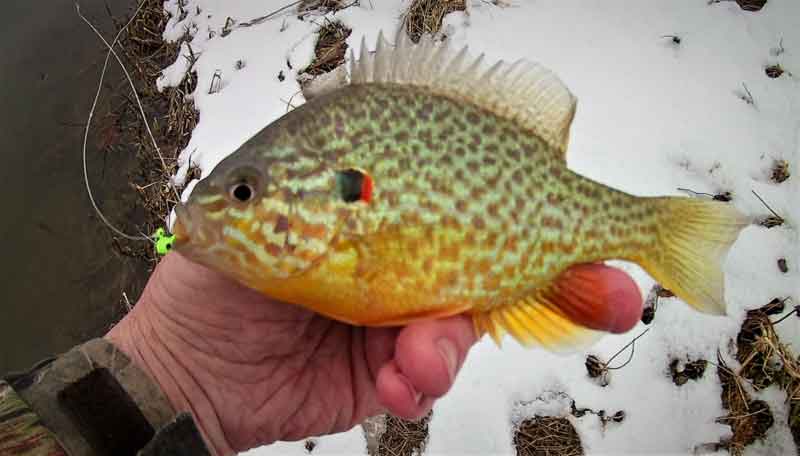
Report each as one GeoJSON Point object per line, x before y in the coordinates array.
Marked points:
{"type": "Point", "coordinates": [784, 268]}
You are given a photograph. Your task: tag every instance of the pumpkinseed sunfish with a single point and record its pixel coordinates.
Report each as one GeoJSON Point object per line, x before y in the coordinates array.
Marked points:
{"type": "Point", "coordinates": [432, 184]}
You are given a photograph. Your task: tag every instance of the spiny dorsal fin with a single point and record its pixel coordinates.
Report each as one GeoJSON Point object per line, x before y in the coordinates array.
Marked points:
{"type": "Point", "coordinates": [524, 91]}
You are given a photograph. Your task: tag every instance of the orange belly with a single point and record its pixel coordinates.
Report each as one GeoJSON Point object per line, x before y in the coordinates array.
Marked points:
{"type": "Point", "coordinates": [347, 287]}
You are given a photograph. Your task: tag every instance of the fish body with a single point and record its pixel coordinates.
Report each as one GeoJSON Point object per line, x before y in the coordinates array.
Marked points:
{"type": "Point", "coordinates": [399, 197]}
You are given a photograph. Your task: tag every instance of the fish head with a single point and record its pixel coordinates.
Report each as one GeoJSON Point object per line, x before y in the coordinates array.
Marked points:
{"type": "Point", "coordinates": [263, 217]}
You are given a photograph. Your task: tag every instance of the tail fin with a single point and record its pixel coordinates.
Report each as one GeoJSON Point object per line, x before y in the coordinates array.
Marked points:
{"type": "Point", "coordinates": [694, 237]}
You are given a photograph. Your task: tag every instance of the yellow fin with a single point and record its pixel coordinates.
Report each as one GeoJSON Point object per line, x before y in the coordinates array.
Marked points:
{"type": "Point", "coordinates": [523, 91]}
{"type": "Point", "coordinates": [534, 321]}
{"type": "Point", "coordinates": [694, 237]}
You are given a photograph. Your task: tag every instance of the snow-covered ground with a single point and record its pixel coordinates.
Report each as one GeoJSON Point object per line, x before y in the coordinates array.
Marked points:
{"type": "Point", "coordinates": [652, 116]}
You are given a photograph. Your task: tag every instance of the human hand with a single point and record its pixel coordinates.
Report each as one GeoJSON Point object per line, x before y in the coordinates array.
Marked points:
{"type": "Point", "coordinates": [253, 370]}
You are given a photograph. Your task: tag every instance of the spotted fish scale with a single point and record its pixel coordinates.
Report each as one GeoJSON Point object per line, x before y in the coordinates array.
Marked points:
{"type": "Point", "coordinates": [468, 206]}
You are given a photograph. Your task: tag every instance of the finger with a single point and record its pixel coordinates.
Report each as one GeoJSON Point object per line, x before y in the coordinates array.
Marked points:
{"type": "Point", "coordinates": [399, 396]}
{"type": "Point", "coordinates": [430, 353]}
{"type": "Point", "coordinates": [379, 347]}
{"type": "Point", "coordinates": [617, 301]}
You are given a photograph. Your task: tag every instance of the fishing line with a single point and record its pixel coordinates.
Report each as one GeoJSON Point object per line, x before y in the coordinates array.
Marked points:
{"type": "Point", "coordinates": [110, 47]}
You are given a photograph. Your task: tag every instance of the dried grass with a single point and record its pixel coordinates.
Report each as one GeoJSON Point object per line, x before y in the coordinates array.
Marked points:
{"type": "Point", "coordinates": [748, 419]}
{"type": "Point", "coordinates": [547, 436]}
{"type": "Point", "coordinates": [789, 382]}
{"type": "Point", "coordinates": [320, 6]}
{"type": "Point", "coordinates": [757, 348]}
{"type": "Point", "coordinates": [425, 16]}
{"type": "Point", "coordinates": [330, 48]}
{"type": "Point", "coordinates": [172, 119]}
{"type": "Point", "coordinates": [764, 361]}
{"type": "Point", "coordinates": [402, 437]}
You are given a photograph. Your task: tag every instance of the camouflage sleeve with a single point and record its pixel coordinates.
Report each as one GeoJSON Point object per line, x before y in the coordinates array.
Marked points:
{"type": "Point", "coordinates": [91, 401]}
{"type": "Point", "coordinates": [21, 431]}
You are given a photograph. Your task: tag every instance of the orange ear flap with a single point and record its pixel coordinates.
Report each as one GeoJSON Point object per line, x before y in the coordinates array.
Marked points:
{"type": "Point", "coordinates": [367, 187]}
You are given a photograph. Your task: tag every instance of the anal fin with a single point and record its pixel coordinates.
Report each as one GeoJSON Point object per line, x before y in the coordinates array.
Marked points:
{"type": "Point", "coordinates": [534, 323]}
{"type": "Point", "coordinates": [563, 316]}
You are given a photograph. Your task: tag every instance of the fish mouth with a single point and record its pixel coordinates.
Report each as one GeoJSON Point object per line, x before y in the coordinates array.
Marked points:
{"type": "Point", "coordinates": [182, 229]}
{"type": "Point", "coordinates": [186, 228]}
{"type": "Point", "coordinates": [194, 233]}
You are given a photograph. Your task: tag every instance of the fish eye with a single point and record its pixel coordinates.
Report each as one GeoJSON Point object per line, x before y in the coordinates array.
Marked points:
{"type": "Point", "coordinates": [242, 192]}
{"type": "Point", "coordinates": [243, 184]}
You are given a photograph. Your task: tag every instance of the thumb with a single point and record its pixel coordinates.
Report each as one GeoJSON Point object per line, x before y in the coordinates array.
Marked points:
{"type": "Point", "coordinates": [428, 356]}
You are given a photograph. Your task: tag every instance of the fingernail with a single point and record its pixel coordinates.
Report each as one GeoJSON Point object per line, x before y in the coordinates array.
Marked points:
{"type": "Point", "coordinates": [449, 353]}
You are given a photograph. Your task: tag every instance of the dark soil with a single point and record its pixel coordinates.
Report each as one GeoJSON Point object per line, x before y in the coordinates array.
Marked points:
{"type": "Point", "coordinates": [690, 370]}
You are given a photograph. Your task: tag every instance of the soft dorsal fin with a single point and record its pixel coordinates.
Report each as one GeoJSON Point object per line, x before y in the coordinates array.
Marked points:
{"type": "Point", "coordinates": [522, 91]}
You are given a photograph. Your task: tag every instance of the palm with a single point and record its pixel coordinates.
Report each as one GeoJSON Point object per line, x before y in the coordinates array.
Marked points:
{"type": "Point", "coordinates": [274, 371]}
{"type": "Point", "coordinates": [311, 376]}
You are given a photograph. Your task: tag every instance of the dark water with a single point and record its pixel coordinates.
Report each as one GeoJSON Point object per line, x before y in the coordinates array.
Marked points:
{"type": "Point", "coordinates": [60, 281]}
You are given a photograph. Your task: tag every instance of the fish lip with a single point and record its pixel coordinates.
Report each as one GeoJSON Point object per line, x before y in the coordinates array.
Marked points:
{"type": "Point", "coordinates": [183, 227]}
{"type": "Point", "coordinates": [194, 233]}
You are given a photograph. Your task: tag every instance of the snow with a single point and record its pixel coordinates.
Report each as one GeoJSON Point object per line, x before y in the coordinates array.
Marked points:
{"type": "Point", "coordinates": [652, 116]}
